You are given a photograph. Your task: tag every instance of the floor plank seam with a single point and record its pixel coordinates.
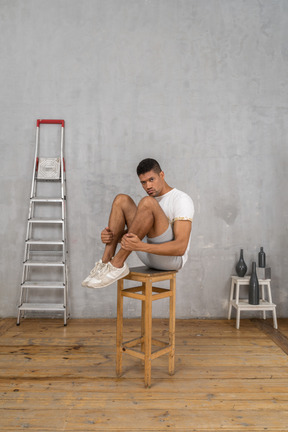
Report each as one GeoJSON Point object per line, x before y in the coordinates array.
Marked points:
{"type": "Point", "coordinates": [274, 334]}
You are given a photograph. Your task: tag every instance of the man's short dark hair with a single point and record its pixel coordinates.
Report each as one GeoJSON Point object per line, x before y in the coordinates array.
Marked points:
{"type": "Point", "coordinates": [147, 165]}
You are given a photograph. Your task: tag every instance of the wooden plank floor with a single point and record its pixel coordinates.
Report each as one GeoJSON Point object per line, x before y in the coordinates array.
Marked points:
{"type": "Point", "coordinates": [56, 378]}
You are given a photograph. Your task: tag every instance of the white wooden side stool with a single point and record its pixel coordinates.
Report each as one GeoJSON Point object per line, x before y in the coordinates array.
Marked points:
{"type": "Point", "coordinates": [243, 304]}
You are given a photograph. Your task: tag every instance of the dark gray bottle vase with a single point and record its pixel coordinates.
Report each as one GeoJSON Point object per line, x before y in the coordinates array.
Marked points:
{"type": "Point", "coordinates": [261, 258]}
{"type": "Point", "coordinates": [254, 287]}
{"type": "Point", "coordinates": [241, 267]}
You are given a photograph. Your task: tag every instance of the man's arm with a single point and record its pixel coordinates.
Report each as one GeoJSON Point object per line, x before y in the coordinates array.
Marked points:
{"type": "Point", "coordinates": [107, 235]}
{"type": "Point", "coordinates": [176, 247]}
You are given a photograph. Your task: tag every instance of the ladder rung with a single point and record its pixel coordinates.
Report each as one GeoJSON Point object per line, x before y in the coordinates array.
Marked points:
{"type": "Point", "coordinates": [45, 255]}
{"type": "Point", "coordinates": [58, 180]}
{"type": "Point", "coordinates": [46, 284]}
{"type": "Point", "coordinates": [44, 263]}
{"type": "Point", "coordinates": [44, 220]}
{"type": "Point", "coordinates": [47, 200]}
{"type": "Point", "coordinates": [44, 242]}
{"type": "Point", "coordinates": [42, 307]}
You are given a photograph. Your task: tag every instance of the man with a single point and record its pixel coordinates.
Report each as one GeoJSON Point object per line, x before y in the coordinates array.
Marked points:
{"type": "Point", "coordinates": [164, 216]}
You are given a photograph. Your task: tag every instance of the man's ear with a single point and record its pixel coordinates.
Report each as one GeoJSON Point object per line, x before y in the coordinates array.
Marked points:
{"type": "Point", "coordinates": [162, 175]}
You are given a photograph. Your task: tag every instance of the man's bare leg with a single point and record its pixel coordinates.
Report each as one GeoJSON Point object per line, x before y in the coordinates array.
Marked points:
{"type": "Point", "coordinates": [149, 219]}
{"type": "Point", "coordinates": [122, 214]}
{"type": "Point", "coordinates": [146, 219]}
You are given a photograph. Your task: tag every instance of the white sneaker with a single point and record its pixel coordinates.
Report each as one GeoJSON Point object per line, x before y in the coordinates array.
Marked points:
{"type": "Point", "coordinates": [108, 275]}
{"type": "Point", "coordinates": [94, 272]}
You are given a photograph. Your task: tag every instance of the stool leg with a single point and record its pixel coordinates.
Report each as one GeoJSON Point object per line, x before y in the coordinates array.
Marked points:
{"type": "Point", "coordinates": [230, 300]}
{"type": "Point", "coordinates": [143, 321]}
{"type": "Point", "coordinates": [237, 303]}
{"type": "Point", "coordinates": [119, 331]}
{"type": "Point", "coordinates": [237, 292]}
{"type": "Point", "coordinates": [270, 301]}
{"type": "Point", "coordinates": [263, 298]}
{"type": "Point", "coordinates": [274, 319]}
{"type": "Point", "coordinates": [148, 333]}
{"type": "Point", "coordinates": [172, 326]}
{"type": "Point", "coordinates": [238, 318]}
{"type": "Point", "coordinates": [269, 292]}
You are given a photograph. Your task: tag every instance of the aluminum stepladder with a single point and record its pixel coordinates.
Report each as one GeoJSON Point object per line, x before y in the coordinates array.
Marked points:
{"type": "Point", "coordinates": [45, 267]}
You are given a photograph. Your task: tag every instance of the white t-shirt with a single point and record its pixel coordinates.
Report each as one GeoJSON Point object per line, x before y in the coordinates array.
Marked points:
{"type": "Point", "coordinates": [177, 205]}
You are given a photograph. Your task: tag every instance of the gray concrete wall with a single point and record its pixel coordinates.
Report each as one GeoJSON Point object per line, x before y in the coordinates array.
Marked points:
{"type": "Point", "coordinates": [200, 85]}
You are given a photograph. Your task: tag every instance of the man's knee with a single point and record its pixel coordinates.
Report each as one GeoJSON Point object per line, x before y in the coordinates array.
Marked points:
{"type": "Point", "coordinates": [148, 203]}
{"type": "Point", "coordinates": [122, 200]}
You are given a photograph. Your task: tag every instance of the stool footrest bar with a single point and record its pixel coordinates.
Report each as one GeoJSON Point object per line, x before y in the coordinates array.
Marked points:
{"type": "Point", "coordinates": [133, 353]}
{"type": "Point", "coordinates": [134, 289]}
{"type": "Point", "coordinates": [141, 355]}
{"type": "Point", "coordinates": [160, 352]}
{"type": "Point", "coordinates": [166, 294]}
{"type": "Point", "coordinates": [159, 343]}
{"type": "Point", "coordinates": [133, 295]}
{"type": "Point", "coordinates": [133, 342]}
{"type": "Point", "coordinates": [133, 292]}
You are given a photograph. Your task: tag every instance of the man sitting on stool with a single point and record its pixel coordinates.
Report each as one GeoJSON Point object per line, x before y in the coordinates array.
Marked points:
{"type": "Point", "coordinates": [164, 216]}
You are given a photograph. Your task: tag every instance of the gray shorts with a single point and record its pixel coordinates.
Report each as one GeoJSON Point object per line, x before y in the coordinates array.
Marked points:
{"type": "Point", "coordinates": [161, 262]}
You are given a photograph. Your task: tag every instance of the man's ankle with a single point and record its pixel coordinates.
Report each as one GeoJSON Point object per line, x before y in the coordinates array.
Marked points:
{"type": "Point", "coordinates": [117, 263]}
{"type": "Point", "coordinates": [106, 259]}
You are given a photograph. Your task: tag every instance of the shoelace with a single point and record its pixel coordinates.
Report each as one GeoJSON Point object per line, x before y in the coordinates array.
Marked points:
{"type": "Point", "coordinates": [105, 269]}
{"type": "Point", "coordinates": [97, 268]}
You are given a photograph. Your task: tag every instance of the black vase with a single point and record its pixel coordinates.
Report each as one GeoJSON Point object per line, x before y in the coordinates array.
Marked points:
{"type": "Point", "coordinates": [261, 258]}
{"type": "Point", "coordinates": [241, 267]}
{"type": "Point", "coordinates": [254, 287]}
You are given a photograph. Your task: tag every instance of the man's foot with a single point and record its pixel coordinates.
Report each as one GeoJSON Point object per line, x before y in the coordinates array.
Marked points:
{"type": "Point", "coordinates": [108, 275]}
{"type": "Point", "coordinates": [94, 272]}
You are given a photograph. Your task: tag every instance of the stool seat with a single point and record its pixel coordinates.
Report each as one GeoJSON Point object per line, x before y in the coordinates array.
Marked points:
{"type": "Point", "coordinates": [265, 304]}
{"type": "Point", "coordinates": [146, 293]}
{"type": "Point", "coordinates": [144, 271]}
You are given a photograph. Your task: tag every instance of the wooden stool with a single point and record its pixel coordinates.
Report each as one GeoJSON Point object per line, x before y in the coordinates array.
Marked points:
{"type": "Point", "coordinates": [147, 294]}
{"type": "Point", "coordinates": [243, 305]}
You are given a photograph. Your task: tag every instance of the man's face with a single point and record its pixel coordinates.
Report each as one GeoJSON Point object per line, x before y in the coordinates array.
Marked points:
{"type": "Point", "coordinates": [152, 183]}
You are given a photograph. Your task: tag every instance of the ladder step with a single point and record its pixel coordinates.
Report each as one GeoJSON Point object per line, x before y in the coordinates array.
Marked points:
{"type": "Point", "coordinates": [42, 307]}
{"type": "Point", "coordinates": [46, 284]}
{"type": "Point", "coordinates": [45, 220]}
{"type": "Point", "coordinates": [44, 242]}
{"type": "Point", "coordinates": [56, 180]}
{"type": "Point", "coordinates": [47, 200]}
{"type": "Point", "coordinates": [44, 263]}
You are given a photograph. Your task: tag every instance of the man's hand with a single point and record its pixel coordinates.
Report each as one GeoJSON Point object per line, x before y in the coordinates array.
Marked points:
{"type": "Point", "coordinates": [107, 235]}
{"type": "Point", "coordinates": [130, 242]}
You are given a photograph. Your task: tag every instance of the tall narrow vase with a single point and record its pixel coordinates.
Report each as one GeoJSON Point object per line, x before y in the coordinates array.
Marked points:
{"type": "Point", "coordinates": [241, 267]}
{"type": "Point", "coordinates": [262, 258]}
{"type": "Point", "coordinates": [254, 287]}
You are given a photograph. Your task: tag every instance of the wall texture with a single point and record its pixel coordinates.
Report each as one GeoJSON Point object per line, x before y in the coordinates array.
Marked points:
{"type": "Point", "coordinates": [202, 86]}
